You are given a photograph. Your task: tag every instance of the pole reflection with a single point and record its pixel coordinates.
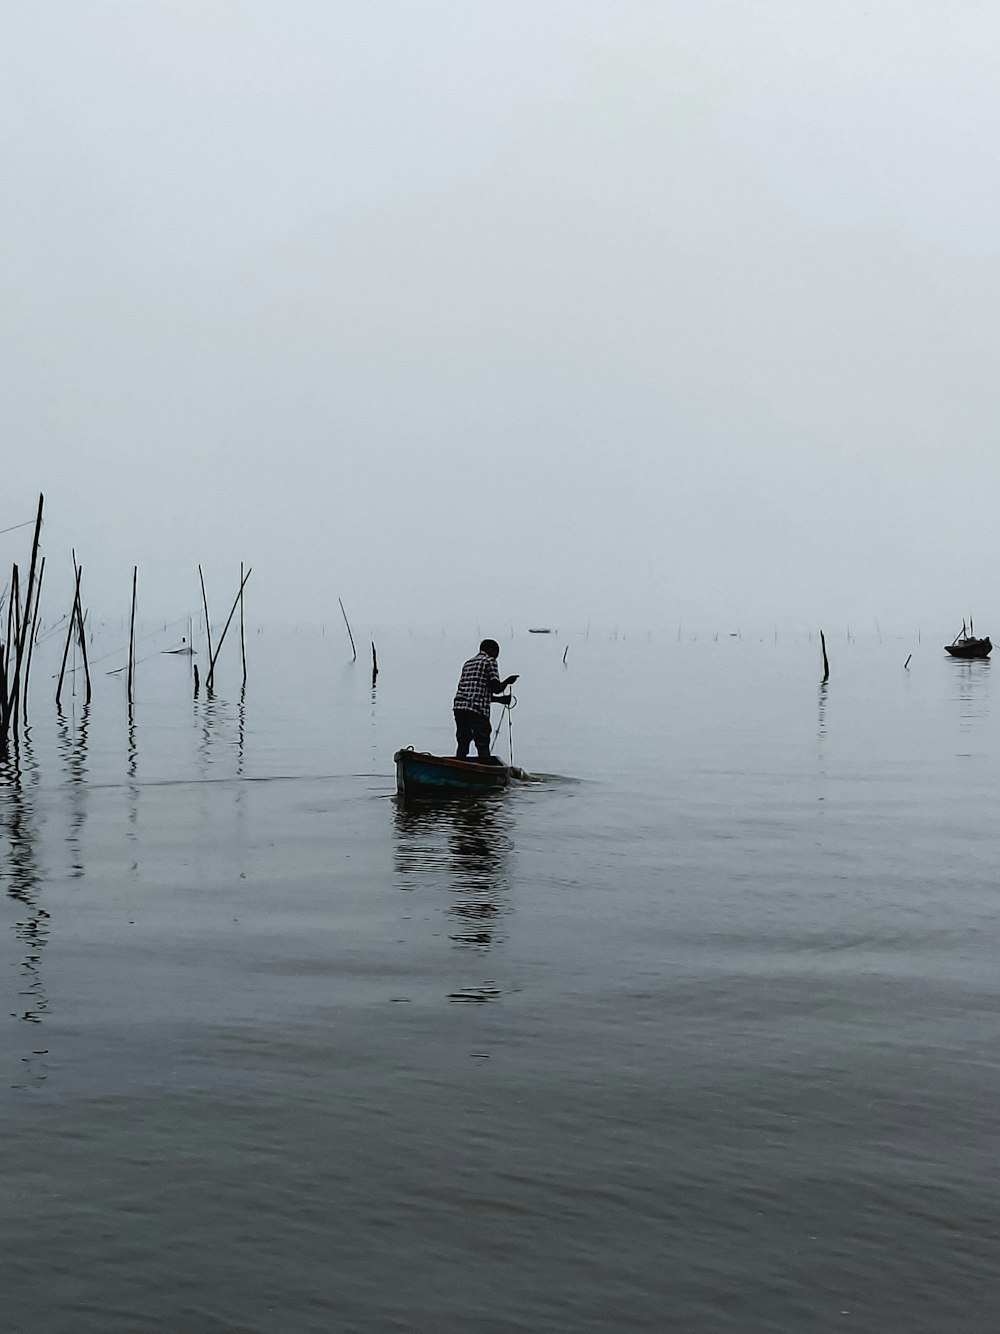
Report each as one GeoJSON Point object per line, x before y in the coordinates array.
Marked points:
{"type": "Point", "coordinates": [466, 843]}
{"type": "Point", "coordinates": [133, 786]}
{"type": "Point", "coordinates": [22, 876]}
{"type": "Point", "coordinates": [222, 731]}
{"type": "Point", "coordinates": [72, 746]}
{"type": "Point", "coordinates": [241, 709]}
{"type": "Point", "coordinates": [822, 709]}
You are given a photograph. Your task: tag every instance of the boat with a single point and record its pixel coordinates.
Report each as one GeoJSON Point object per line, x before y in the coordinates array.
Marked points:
{"type": "Point", "coordinates": [539, 630]}
{"type": "Point", "coordinates": [966, 645]}
{"type": "Point", "coordinates": [970, 648]}
{"type": "Point", "coordinates": [419, 773]}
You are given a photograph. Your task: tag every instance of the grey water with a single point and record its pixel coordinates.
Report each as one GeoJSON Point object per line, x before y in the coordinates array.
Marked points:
{"type": "Point", "coordinates": [698, 1031]}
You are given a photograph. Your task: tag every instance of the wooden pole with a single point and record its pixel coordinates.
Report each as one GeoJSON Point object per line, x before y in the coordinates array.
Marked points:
{"type": "Point", "coordinates": [69, 636]}
{"type": "Point", "coordinates": [131, 636]}
{"type": "Point", "coordinates": [14, 698]}
{"type": "Point", "coordinates": [9, 647]}
{"type": "Point", "coordinates": [80, 619]}
{"type": "Point", "coordinates": [32, 635]}
{"type": "Point", "coordinates": [208, 628]}
{"type": "Point", "coordinates": [15, 598]}
{"type": "Point", "coordinates": [210, 678]}
{"type": "Point", "coordinates": [3, 704]}
{"type": "Point", "coordinates": [826, 661]}
{"type": "Point", "coordinates": [243, 642]}
{"type": "Point", "coordinates": [374, 665]}
{"type": "Point", "coordinates": [31, 575]}
{"type": "Point", "coordinates": [348, 624]}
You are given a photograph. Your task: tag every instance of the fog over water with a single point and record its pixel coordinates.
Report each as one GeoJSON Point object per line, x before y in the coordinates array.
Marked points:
{"type": "Point", "coordinates": [506, 311]}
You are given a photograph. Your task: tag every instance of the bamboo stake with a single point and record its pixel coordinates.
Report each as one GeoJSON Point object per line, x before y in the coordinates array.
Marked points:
{"type": "Point", "coordinates": [3, 698]}
{"type": "Point", "coordinates": [15, 685]}
{"type": "Point", "coordinates": [81, 627]}
{"type": "Point", "coordinates": [374, 665]}
{"type": "Point", "coordinates": [243, 642]}
{"type": "Point", "coordinates": [14, 698]}
{"type": "Point", "coordinates": [210, 678]}
{"type": "Point", "coordinates": [131, 637]}
{"type": "Point", "coordinates": [208, 628]}
{"type": "Point", "coordinates": [826, 661]}
{"type": "Point", "coordinates": [31, 569]}
{"type": "Point", "coordinates": [9, 646]}
{"type": "Point", "coordinates": [32, 635]}
{"type": "Point", "coordinates": [348, 624]}
{"type": "Point", "coordinates": [15, 597]}
{"type": "Point", "coordinates": [69, 637]}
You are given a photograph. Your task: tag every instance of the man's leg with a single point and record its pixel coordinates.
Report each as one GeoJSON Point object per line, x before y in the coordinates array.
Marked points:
{"type": "Point", "coordinates": [463, 733]}
{"type": "Point", "coordinates": [481, 731]}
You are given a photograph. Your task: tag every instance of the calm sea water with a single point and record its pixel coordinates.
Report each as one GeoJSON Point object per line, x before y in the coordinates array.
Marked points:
{"type": "Point", "coordinates": [697, 1032]}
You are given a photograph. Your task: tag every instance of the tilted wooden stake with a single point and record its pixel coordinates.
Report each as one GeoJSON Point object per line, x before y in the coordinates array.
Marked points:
{"type": "Point", "coordinates": [82, 631]}
{"type": "Point", "coordinates": [32, 635]}
{"type": "Point", "coordinates": [209, 679]}
{"type": "Point", "coordinates": [69, 635]}
{"type": "Point", "coordinates": [348, 624]}
{"type": "Point", "coordinates": [208, 628]}
{"type": "Point", "coordinates": [243, 642]}
{"type": "Point", "coordinates": [131, 636]}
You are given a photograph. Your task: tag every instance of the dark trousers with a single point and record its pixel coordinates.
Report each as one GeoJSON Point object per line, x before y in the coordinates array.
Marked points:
{"type": "Point", "coordinates": [470, 727]}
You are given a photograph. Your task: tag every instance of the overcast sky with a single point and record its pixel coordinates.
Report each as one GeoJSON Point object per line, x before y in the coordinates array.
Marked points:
{"type": "Point", "coordinates": [636, 312]}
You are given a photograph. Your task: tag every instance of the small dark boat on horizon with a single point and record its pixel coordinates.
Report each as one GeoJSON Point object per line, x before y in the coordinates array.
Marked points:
{"type": "Point", "coordinates": [421, 774]}
{"type": "Point", "coordinates": [966, 645]}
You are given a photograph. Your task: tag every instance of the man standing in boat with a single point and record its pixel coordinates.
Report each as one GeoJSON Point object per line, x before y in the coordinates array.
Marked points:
{"type": "Point", "coordinates": [478, 686]}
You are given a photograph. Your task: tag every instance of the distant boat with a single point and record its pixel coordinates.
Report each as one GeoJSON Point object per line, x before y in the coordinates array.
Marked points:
{"type": "Point", "coordinates": [966, 645]}
{"type": "Point", "coordinates": [539, 630]}
{"type": "Point", "coordinates": [421, 774]}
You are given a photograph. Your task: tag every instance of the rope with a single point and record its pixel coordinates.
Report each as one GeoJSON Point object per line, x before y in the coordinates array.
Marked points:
{"type": "Point", "coordinates": [14, 527]}
{"type": "Point", "coordinates": [116, 652]}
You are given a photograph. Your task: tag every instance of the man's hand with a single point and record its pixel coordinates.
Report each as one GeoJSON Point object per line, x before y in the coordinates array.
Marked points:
{"type": "Point", "coordinates": [509, 682]}
{"type": "Point", "coordinates": [501, 699]}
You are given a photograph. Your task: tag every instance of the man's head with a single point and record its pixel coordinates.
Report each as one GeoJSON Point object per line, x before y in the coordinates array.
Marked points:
{"type": "Point", "coordinates": [490, 647]}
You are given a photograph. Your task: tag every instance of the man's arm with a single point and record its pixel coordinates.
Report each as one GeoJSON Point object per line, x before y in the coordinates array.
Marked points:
{"type": "Point", "coordinates": [496, 691]}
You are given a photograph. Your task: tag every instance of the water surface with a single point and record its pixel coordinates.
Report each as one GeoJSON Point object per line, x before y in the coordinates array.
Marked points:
{"type": "Point", "coordinates": [698, 1032]}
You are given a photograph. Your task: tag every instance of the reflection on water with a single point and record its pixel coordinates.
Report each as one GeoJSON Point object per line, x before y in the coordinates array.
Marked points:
{"type": "Point", "coordinates": [223, 729]}
{"type": "Point", "coordinates": [465, 842]}
{"type": "Point", "coordinates": [823, 686]}
{"type": "Point", "coordinates": [971, 690]}
{"type": "Point", "coordinates": [131, 769]}
{"type": "Point", "coordinates": [71, 739]}
{"type": "Point", "coordinates": [21, 874]}
{"type": "Point", "coordinates": [241, 710]}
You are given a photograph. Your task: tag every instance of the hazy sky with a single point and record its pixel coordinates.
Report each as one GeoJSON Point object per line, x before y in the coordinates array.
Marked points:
{"type": "Point", "coordinates": [632, 312]}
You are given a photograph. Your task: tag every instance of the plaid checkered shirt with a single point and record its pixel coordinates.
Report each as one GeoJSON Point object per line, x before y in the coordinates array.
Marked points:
{"type": "Point", "coordinates": [477, 683]}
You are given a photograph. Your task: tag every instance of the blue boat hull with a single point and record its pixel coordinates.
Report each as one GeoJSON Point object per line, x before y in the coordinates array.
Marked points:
{"type": "Point", "coordinates": [420, 774]}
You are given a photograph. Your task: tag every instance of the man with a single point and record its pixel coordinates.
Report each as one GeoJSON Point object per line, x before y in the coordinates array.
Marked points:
{"type": "Point", "coordinates": [478, 686]}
